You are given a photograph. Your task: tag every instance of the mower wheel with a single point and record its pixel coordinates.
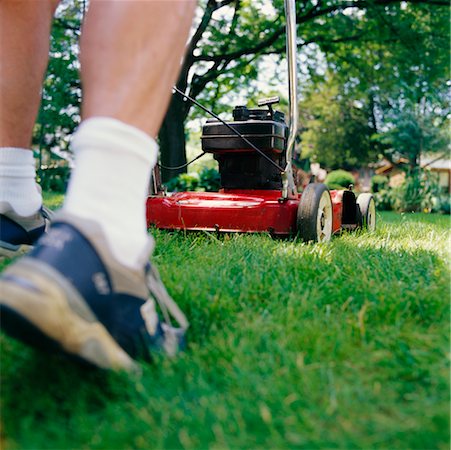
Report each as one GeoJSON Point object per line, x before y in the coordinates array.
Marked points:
{"type": "Point", "coordinates": [367, 208]}
{"type": "Point", "coordinates": [314, 219]}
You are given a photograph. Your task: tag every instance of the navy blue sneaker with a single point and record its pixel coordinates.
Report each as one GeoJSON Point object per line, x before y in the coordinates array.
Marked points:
{"type": "Point", "coordinates": [70, 294]}
{"type": "Point", "coordinates": [18, 234]}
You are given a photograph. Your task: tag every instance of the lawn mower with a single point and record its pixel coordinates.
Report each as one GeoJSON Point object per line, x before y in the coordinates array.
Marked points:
{"type": "Point", "coordinates": [258, 193]}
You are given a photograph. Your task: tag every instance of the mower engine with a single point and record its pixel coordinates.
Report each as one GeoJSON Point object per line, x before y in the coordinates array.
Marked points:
{"type": "Point", "coordinates": [240, 166]}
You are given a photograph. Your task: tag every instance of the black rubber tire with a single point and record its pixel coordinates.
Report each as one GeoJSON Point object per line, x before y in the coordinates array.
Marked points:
{"type": "Point", "coordinates": [307, 216]}
{"type": "Point", "coordinates": [366, 205]}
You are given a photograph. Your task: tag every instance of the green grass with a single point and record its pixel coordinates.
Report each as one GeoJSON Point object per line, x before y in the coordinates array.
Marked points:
{"type": "Point", "coordinates": [339, 345]}
{"type": "Point", "coordinates": [53, 200]}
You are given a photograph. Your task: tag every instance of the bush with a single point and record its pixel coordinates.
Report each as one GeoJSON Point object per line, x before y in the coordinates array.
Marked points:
{"type": "Point", "coordinates": [207, 180]}
{"type": "Point", "coordinates": [339, 179]}
{"type": "Point", "coordinates": [419, 192]}
{"type": "Point", "coordinates": [184, 182]}
{"type": "Point", "coordinates": [384, 199]}
{"type": "Point", "coordinates": [442, 204]}
{"type": "Point", "coordinates": [379, 183]}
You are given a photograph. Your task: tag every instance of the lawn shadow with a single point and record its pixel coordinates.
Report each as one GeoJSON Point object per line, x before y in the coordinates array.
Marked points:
{"type": "Point", "coordinates": [42, 391]}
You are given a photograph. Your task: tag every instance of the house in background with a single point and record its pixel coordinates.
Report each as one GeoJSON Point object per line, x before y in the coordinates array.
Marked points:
{"type": "Point", "coordinates": [396, 175]}
{"type": "Point", "coordinates": [442, 167]}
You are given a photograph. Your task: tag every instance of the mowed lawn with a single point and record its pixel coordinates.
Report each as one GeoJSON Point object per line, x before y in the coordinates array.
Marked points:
{"type": "Point", "coordinates": [339, 345]}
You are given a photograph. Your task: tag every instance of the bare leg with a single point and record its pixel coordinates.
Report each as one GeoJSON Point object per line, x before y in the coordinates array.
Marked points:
{"type": "Point", "coordinates": [131, 52]}
{"type": "Point", "coordinates": [130, 55]}
{"type": "Point", "coordinates": [24, 46]}
{"type": "Point", "coordinates": [98, 250]}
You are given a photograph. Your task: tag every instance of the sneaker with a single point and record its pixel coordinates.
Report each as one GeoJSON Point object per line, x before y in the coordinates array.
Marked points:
{"type": "Point", "coordinates": [19, 234]}
{"type": "Point", "coordinates": [70, 294]}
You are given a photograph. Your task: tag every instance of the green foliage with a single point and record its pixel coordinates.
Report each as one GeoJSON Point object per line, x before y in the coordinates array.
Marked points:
{"type": "Point", "coordinates": [226, 58]}
{"type": "Point", "coordinates": [418, 192]}
{"type": "Point", "coordinates": [207, 180]}
{"type": "Point", "coordinates": [339, 345]}
{"type": "Point", "coordinates": [442, 204]}
{"type": "Point", "coordinates": [59, 113]}
{"type": "Point", "coordinates": [397, 69]}
{"type": "Point", "coordinates": [377, 51]}
{"type": "Point", "coordinates": [413, 130]}
{"type": "Point", "coordinates": [378, 183]}
{"type": "Point", "coordinates": [184, 182]}
{"type": "Point", "coordinates": [234, 37]}
{"type": "Point", "coordinates": [339, 179]}
{"type": "Point", "coordinates": [52, 200]}
{"type": "Point", "coordinates": [337, 132]}
{"type": "Point", "coordinates": [384, 199]}
{"type": "Point", "coordinates": [358, 58]}
{"type": "Point", "coordinates": [54, 179]}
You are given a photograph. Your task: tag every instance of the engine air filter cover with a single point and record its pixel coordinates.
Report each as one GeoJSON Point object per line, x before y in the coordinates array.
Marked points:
{"type": "Point", "coordinates": [263, 128]}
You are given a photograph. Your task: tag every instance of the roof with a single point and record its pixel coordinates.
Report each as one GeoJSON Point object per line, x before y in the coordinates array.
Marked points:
{"type": "Point", "coordinates": [437, 164]}
{"type": "Point", "coordinates": [429, 162]}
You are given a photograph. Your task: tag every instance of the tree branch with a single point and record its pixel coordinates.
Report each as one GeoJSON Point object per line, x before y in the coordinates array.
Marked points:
{"type": "Point", "coordinates": [211, 7]}
{"type": "Point", "coordinates": [266, 46]}
{"type": "Point", "coordinates": [198, 83]}
{"type": "Point", "coordinates": [311, 14]}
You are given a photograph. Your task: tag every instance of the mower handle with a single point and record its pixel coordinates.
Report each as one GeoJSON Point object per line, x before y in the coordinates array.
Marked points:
{"type": "Point", "coordinates": [289, 187]}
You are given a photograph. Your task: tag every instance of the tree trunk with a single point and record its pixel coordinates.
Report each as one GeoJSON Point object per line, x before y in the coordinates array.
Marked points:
{"type": "Point", "coordinates": [172, 139]}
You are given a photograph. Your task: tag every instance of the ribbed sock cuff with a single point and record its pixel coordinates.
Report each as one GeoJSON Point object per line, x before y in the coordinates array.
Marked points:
{"type": "Point", "coordinates": [109, 184]}
{"type": "Point", "coordinates": [17, 163]}
{"type": "Point", "coordinates": [18, 190]}
{"type": "Point", "coordinates": [117, 135]}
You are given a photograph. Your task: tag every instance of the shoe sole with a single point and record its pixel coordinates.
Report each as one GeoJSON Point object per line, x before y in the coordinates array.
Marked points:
{"type": "Point", "coordinates": [40, 308]}
{"type": "Point", "coordinates": [22, 330]}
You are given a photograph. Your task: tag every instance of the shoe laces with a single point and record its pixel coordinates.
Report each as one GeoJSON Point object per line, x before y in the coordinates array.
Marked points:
{"type": "Point", "coordinates": [169, 308]}
{"type": "Point", "coordinates": [46, 213]}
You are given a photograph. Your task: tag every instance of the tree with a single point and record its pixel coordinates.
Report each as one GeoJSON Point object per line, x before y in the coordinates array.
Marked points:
{"type": "Point", "coordinates": [337, 130]}
{"type": "Point", "coordinates": [232, 35]}
{"type": "Point", "coordinates": [400, 77]}
{"type": "Point", "coordinates": [414, 130]}
{"type": "Point", "coordinates": [59, 112]}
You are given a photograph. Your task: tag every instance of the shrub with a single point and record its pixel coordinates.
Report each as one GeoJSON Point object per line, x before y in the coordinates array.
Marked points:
{"type": "Point", "coordinates": [379, 183]}
{"type": "Point", "coordinates": [206, 180]}
{"type": "Point", "coordinates": [419, 192]}
{"type": "Point", "coordinates": [339, 179]}
{"type": "Point", "coordinates": [384, 199]}
{"type": "Point", "coordinates": [184, 182]}
{"type": "Point", "coordinates": [442, 204]}
{"type": "Point", "coordinates": [209, 180]}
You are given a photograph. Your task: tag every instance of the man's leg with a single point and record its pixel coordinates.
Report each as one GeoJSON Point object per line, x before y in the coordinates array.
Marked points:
{"type": "Point", "coordinates": [131, 53]}
{"type": "Point", "coordinates": [24, 47]}
{"type": "Point", "coordinates": [87, 292]}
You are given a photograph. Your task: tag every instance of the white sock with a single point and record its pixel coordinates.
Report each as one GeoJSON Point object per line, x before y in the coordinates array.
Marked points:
{"type": "Point", "coordinates": [110, 182]}
{"type": "Point", "coordinates": [19, 192]}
